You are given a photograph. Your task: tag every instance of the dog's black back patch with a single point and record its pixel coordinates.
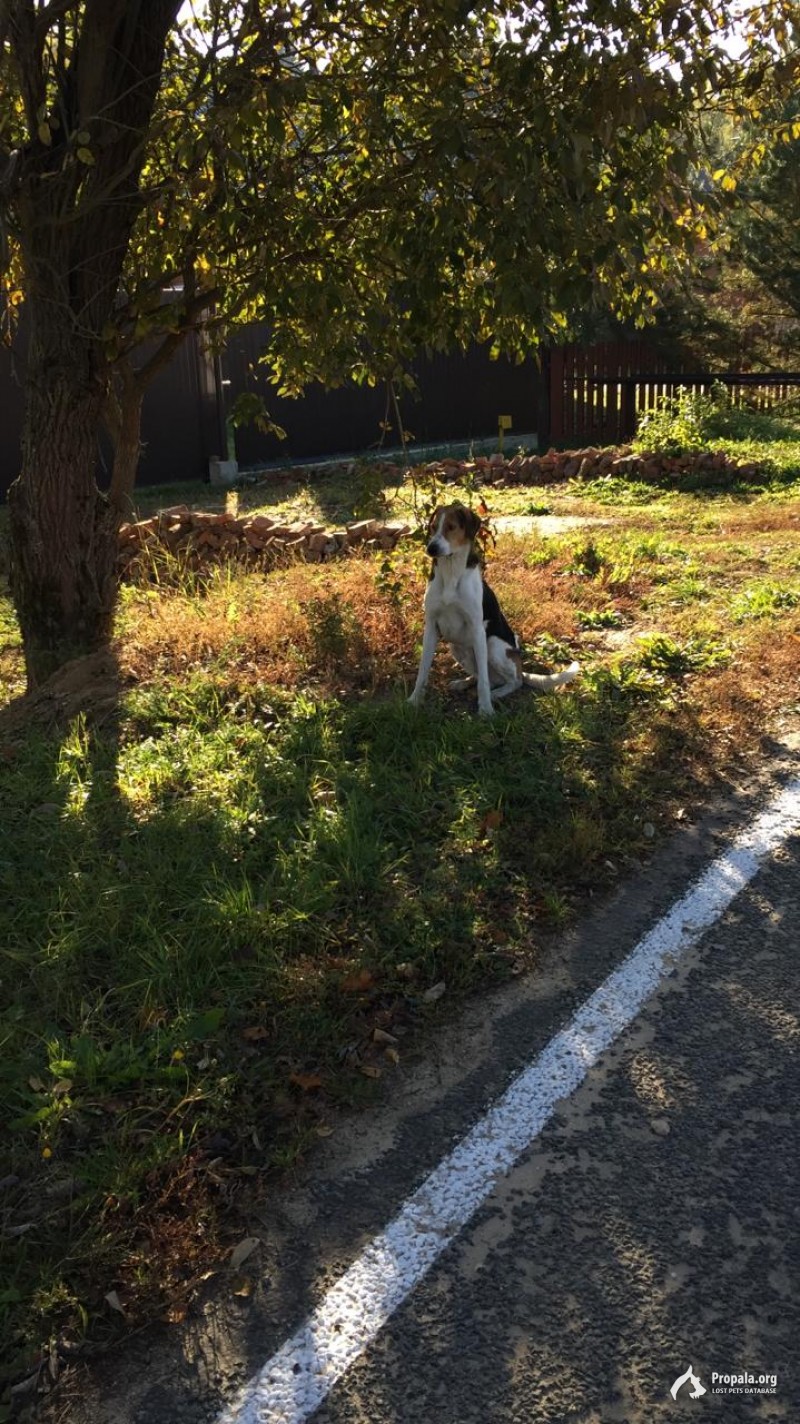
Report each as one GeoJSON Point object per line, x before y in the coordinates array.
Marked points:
{"type": "Point", "coordinates": [493, 617]}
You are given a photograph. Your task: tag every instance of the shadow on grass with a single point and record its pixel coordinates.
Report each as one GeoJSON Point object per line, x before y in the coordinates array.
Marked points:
{"type": "Point", "coordinates": [212, 901]}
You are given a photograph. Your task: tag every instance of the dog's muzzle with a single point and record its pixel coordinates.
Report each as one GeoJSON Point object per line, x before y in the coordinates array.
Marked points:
{"type": "Point", "coordinates": [438, 548]}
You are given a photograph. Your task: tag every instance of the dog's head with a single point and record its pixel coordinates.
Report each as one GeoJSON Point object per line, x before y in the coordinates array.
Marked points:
{"type": "Point", "coordinates": [451, 528]}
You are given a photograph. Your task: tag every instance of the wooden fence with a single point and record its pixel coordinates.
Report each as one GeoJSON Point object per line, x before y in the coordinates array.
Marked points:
{"type": "Point", "coordinates": [598, 393]}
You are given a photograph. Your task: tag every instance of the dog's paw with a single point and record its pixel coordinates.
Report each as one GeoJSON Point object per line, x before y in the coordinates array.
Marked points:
{"type": "Point", "coordinates": [415, 700]}
{"type": "Point", "coordinates": [486, 711]}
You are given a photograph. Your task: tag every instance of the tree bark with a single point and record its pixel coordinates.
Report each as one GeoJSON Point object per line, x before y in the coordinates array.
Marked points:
{"type": "Point", "coordinates": [63, 530]}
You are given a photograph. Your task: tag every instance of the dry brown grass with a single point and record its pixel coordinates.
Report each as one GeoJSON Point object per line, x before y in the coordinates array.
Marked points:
{"type": "Point", "coordinates": [333, 624]}
{"type": "Point", "coordinates": [340, 625]}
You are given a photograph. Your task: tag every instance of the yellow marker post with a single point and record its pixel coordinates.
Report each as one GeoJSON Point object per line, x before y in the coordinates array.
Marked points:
{"type": "Point", "coordinates": [503, 424]}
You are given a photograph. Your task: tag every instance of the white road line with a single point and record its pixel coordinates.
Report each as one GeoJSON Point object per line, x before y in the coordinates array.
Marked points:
{"type": "Point", "coordinates": [297, 1379]}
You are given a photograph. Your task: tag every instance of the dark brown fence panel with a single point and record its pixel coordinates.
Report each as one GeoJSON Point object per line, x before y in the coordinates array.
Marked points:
{"type": "Point", "coordinates": [596, 392]}
{"type": "Point", "coordinates": [180, 428]}
{"type": "Point", "coordinates": [460, 397]}
{"type": "Point", "coordinates": [179, 423]}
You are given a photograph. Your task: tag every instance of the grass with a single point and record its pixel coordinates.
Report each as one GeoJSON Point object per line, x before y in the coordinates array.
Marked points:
{"type": "Point", "coordinates": [226, 913]}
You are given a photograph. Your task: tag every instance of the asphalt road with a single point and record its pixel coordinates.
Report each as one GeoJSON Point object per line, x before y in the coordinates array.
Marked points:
{"type": "Point", "coordinates": [654, 1224]}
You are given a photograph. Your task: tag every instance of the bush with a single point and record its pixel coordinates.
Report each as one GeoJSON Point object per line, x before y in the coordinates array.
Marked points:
{"type": "Point", "coordinates": [676, 425]}
{"type": "Point", "coordinates": [698, 420]}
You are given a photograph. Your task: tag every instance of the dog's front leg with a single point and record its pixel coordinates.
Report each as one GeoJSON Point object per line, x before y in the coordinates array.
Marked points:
{"type": "Point", "coordinates": [482, 668]}
{"type": "Point", "coordinates": [430, 638]}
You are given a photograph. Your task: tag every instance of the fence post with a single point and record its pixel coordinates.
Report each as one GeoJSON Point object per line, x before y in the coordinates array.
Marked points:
{"type": "Point", "coordinates": [557, 395]}
{"type": "Point", "coordinates": [628, 412]}
{"type": "Point", "coordinates": [543, 398]}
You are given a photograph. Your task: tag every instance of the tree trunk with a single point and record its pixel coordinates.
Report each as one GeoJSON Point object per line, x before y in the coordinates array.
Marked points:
{"type": "Point", "coordinates": [63, 531]}
{"type": "Point", "coordinates": [73, 221]}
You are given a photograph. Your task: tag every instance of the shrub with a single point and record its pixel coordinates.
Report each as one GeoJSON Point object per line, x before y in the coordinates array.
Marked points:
{"type": "Point", "coordinates": [697, 420]}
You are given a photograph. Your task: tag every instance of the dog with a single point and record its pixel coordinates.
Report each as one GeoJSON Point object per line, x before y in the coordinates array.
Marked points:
{"type": "Point", "coordinates": [462, 609]}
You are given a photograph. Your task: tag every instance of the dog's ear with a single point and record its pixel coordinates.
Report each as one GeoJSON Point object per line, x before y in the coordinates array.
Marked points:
{"type": "Point", "coordinates": [472, 523]}
{"type": "Point", "coordinates": [433, 521]}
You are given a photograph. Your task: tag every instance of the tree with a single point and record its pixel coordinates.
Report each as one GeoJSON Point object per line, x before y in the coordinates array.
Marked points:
{"type": "Point", "coordinates": [738, 303]}
{"type": "Point", "coordinates": [368, 178]}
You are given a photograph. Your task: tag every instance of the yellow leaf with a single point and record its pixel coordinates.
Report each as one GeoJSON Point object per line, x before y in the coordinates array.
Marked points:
{"type": "Point", "coordinates": [358, 983]}
{"type": "Point", "coordinates": [86, 156]}
{"type": "Point", "coordinates": [45, 135]}
{"type": "Point", "coordinates": [728, 183]}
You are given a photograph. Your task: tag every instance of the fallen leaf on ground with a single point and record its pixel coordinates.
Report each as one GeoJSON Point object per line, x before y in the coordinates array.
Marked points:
{"type": "Point", "coordinates": [309, 1082]}
{"type": "Point", "coordinates": [431, 995]}
{"type": "Point", "coordinates": [245, 1248]}
{"type": "Point", "coordinates": [358, 983]}
{"type": "Point", "coordinates": [255, 1034]}
{"type": "Point", "coordinates": [379, 1035]}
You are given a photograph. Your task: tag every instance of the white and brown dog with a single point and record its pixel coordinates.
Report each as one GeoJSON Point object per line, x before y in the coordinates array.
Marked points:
{"type": "Point", "coordinates": [462, 609]}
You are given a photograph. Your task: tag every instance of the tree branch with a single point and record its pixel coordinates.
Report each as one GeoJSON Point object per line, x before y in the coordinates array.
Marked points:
{"type": "Point", "coordinates": [50, 13]}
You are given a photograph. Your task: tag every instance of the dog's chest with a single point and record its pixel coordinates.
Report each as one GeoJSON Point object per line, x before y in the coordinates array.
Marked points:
{"type": "Point", "coordinates": [454, 608]}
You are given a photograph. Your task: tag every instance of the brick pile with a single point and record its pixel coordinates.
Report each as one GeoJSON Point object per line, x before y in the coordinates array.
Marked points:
{"type": "Point", "coordinates": [710, 467]}
{"type": "Point", "coordinates": [198, 538]}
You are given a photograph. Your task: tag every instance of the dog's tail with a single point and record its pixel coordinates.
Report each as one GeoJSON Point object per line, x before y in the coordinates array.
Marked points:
{"type": "Point", "coordinates": [543, 682]}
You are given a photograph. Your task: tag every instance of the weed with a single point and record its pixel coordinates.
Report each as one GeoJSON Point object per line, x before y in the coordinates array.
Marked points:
{"type": "Point", "coordinates": [662, 654]}
{"type": "Point", "coordinates": [587, 561]}
{"type": "Point", "coordinates": [763, 600]}
{"type": "Point", "coordinates": [598, 618]}
{"type": "Point", "coordinates": [677, 424]}
{"type": "Point", "coordinates": [333, 627]}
